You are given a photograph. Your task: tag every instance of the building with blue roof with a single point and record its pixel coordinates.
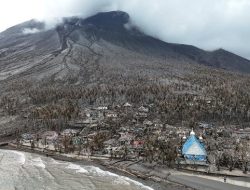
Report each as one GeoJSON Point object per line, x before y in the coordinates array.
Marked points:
{"type": "Point", "coordinates": [193, 149]}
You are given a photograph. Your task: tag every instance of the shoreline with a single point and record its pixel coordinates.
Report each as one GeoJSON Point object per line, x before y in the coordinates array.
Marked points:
{"type": "Point", "coordinates": [151, 176]}
{"type": "Point", "coordinates": [154, 182]}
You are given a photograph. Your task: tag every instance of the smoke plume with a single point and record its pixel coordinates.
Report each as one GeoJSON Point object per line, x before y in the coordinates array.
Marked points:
{"type": "Point", "coordinates": [208, 24]}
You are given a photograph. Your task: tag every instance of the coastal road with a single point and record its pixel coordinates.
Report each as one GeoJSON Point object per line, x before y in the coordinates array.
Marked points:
{"type": "Point", "coordinates": [202, 183]}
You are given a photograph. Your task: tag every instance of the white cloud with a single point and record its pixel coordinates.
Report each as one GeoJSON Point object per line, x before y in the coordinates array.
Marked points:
{"type": "Point", "coordinates": [31, 30]}
{"type": "Point", "coordinates": [209, 24]}
{"type": "Point", "coordinates": [15, 11]}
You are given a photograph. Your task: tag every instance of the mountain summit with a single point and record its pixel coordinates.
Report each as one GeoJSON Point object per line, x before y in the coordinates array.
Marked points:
{"type": "Point", "coordinates": [88, 49]}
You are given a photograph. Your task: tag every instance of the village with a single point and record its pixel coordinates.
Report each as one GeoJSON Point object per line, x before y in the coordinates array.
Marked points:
{"type": "Point", "coordinates": [126, 132]}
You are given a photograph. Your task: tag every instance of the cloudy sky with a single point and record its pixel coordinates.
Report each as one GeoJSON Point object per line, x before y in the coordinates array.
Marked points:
{"type": "Point", "coordinates": [208, 24]}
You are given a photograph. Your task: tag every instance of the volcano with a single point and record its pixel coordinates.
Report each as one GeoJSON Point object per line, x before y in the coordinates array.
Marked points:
{"type": "Point", "coordinates": [88, 50]}
{"type": "Point", "coordinates": [50, 76]}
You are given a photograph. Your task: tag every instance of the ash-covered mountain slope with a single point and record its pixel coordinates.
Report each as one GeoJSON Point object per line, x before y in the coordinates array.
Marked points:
{"type": "Point", "coordinates": [54, 75]}
{"type": "Point", "coordinates": [101, 46]}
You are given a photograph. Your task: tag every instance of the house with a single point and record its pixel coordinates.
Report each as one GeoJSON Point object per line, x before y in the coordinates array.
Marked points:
{"type": "Point", "coordinates": [77, 140]}
{"type": "Point", "coordinates": [26, 137]}
{"type": "Point", "coordinates": [143, 109]}
{"type": "Point", "coordinates": [242, 133]}
{"type": "Point", "coordinates": [50, 136]}
{"type": "Point", "coordinates": [204, 125]}
{"type": "Point", "coordinates": [110, 145]}
{"type": "Point", "coordinates": [77, 124]}
{"type": "Point", "coordinates": [193, 149]}
{"type": "Point", "coordinates": [111, 115]}
{"type": "Point", "coordinates": [127, 105]}
{"type": "Point", "coordinates": [70, 132]}
{"type": "Point", "coordinates": [147, 123]}
{"type": "Point", "coordinates": [126, 138]}
{"type": "Point", "coordinates": [137, 144]}
{"type": "Point", "coordinates": [141, 115]}
{"type": "Point", "coordinates": [102, 108]}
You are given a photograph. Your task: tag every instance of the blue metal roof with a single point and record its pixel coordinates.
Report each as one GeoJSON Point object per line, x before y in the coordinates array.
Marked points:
{"type": "Point", "coordinates": [193, 149]}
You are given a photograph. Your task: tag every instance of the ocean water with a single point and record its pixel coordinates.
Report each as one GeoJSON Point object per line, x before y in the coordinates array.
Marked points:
{"type": "Point", "coordinates": [26, 171]}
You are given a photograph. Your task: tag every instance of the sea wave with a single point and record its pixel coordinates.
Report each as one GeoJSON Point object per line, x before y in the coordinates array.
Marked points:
{"type": "Point", "coordinates": [76, 167]}
{"type": "Point", "coordinates": [38, 162]}
{"type": "Point", "coordinates": [117, 178]}
{"type": "Point", "coordinates": [13, 156]}
{"type": "Point", "coordinates": [21, 157]}
{"type": "Point", "coordinates": [137, 183]}
{"type": "Point", "coordinates": [99, 172]}
{"type": "Point", "coordinates": [32, 166]}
